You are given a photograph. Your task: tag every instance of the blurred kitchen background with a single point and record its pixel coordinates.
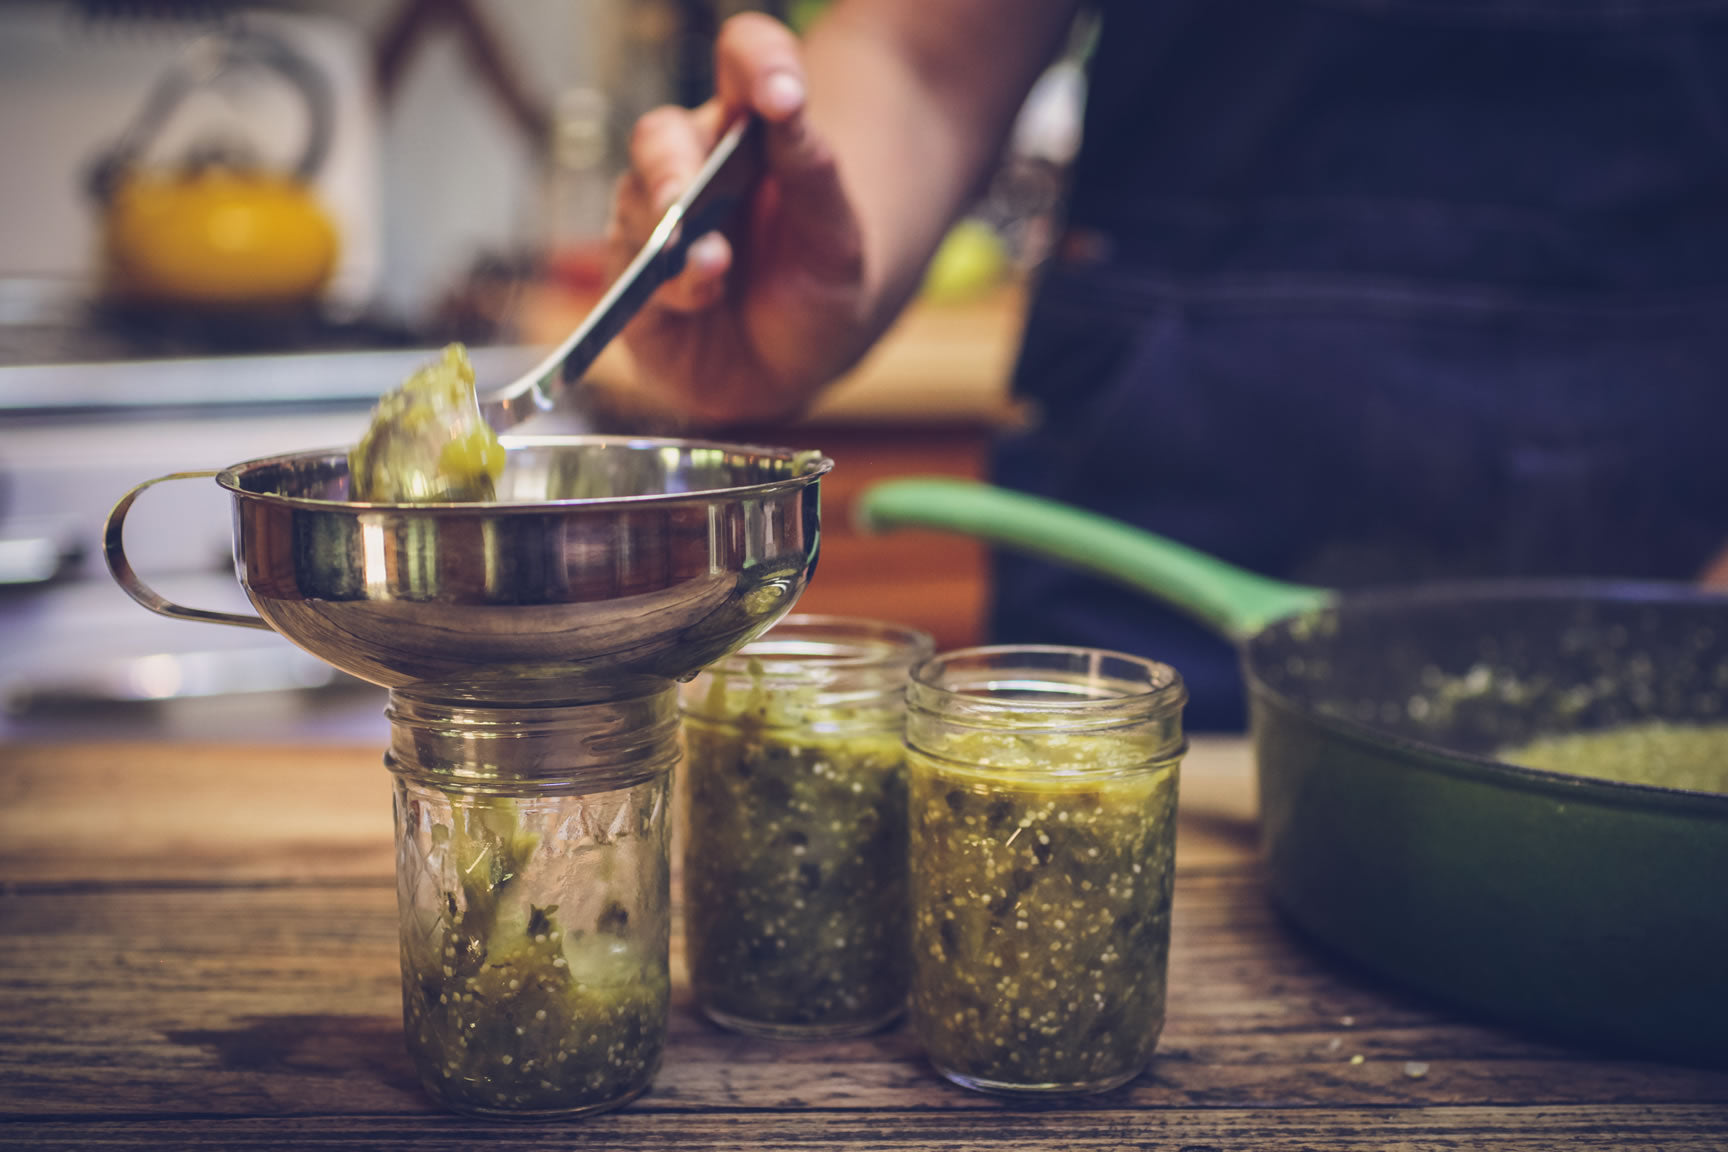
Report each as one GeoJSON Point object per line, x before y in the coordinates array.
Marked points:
{"type": "Point", "coordinates": [490, 129]}
{"type": "Point", "coordinates": [226, 228]}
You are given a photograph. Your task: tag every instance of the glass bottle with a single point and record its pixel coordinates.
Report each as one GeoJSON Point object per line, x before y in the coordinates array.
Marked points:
{"type": "Point", "coordinates": [1042, 842]}
{"type": "Point", "coordinates": [533, 883]}
{"type": "Point", "coordinates": [795, 829]}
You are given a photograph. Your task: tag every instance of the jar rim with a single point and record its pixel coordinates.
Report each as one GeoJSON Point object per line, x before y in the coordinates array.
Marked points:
{"type": "Point", "coordinates": [1049, 679]}
{"type": "Point", "coordinates": [841, 643]}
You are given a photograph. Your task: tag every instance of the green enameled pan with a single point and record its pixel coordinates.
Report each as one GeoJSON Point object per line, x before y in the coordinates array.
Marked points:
{"type": "Point", "coordinates": [1394, 833]}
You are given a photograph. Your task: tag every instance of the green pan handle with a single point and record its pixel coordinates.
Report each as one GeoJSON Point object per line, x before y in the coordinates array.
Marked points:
{"type": "Point", "coordinates": [1231, 601]}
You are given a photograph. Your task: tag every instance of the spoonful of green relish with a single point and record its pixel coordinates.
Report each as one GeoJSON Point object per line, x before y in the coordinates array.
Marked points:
{"type": "Point", "coordinates": [428, 442]}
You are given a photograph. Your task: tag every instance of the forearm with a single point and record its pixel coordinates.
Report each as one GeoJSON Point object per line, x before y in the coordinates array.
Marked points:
{"type": "Point", "coordinates": [916, 98]}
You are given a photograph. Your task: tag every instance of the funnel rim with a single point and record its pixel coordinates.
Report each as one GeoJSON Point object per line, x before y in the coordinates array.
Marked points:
{"type": "Point", "coordinates": [817, 464]}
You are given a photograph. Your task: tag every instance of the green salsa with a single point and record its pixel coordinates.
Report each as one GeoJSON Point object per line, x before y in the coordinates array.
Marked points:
{"type": "Point", "coordinates": [507, 1011]}
{"type": "Point", "coordinates": [1657, 752]}
{"type": "Point", "coordinates": [1041, 891]}
{"type": "Point", "coordinates": [427, 442]}
{"type": "Point", "coordinates": [795, 875]}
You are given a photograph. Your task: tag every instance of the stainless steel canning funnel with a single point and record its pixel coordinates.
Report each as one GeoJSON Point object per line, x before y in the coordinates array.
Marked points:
{"type": "Point", "coordinates": [606, 567]}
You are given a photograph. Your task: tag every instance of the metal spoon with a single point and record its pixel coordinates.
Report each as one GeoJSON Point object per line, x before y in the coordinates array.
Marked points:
{"type": "Point", "coordinates": [727, 176]}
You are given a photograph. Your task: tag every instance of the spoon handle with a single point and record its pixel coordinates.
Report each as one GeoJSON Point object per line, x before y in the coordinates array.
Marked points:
{"type": "Point", "coordinates": [725, 179]}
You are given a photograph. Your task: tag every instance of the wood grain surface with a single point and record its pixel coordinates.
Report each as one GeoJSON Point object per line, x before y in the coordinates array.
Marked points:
{"type": "Point", "coordinates": [198, 950]}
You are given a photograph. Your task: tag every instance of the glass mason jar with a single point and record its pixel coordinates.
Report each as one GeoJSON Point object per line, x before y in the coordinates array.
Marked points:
{"type": "Point", "coordinates": [795, 829]}
{"type": "Point", "coordinates": [533, 883]}
{"type": "Point", "coordinates": [1042, 843]}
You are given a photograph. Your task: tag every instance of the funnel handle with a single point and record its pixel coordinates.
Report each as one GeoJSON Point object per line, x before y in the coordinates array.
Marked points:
{"type": "Point", "coordinates": [114, 551]}
{"type": "Point", "coordinates": [1231, 601]}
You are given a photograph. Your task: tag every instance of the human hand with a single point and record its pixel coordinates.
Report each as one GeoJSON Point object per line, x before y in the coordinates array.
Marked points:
{"type": "Point", "coordinates": [757, 323]}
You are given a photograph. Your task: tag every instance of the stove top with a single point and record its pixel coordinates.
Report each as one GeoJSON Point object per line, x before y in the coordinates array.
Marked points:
{"type": "Point", "coordinates": [75, 434]}
{"type": "Point", "coordinates": [87, 385]}
{"type": "Point", "coordinates": [46, 321]}
{"type": "Point", "coordinates": [104, 333]}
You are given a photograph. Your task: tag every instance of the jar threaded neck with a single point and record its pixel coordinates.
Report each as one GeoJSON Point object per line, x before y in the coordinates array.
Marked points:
{"type": "Point", "coordinates": [519, 749]}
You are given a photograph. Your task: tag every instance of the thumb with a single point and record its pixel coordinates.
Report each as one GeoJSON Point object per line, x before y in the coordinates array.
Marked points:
{"type": "Point", "coordinates": [759, 67]}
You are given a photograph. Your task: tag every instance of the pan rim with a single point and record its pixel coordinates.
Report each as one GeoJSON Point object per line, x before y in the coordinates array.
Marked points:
{"type": "Point", "coordinates": [1472, 764]}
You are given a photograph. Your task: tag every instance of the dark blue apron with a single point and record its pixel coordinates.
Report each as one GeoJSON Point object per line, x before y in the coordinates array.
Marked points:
{"type": "Point", "coordinates": [1381, 292]}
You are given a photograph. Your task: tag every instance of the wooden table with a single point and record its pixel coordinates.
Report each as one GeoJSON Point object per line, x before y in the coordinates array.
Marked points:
{"type": "Point", "coordinates": [198, 950]}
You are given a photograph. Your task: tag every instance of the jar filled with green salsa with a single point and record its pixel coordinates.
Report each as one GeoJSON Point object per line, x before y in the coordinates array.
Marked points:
{"type": "Point", "coordinates": [795, 829]}
{"type": "Point", "coordinates": [1042, 806]}
{"type": "Point", "coordinates": [533, 875]}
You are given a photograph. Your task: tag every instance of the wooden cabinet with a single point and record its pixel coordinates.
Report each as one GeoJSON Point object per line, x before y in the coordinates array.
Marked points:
{"type": "Point", "coordinates": [926, 401]}
{"type": "Point", "coordinates": [929, 580]}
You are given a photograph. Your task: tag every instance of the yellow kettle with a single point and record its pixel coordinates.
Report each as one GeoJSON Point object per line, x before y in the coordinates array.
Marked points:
{"type": "Point", "coordinates": [216, 236]}
{"type": "Point", "coordinates": [216, 229]}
